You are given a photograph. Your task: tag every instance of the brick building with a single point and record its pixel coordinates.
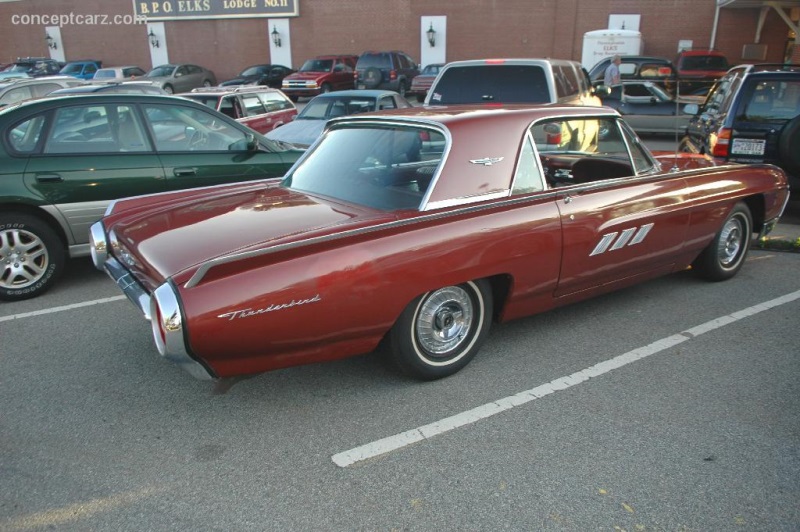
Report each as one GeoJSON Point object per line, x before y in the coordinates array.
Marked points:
{"type": "Point", "coordinates": [228, 35]}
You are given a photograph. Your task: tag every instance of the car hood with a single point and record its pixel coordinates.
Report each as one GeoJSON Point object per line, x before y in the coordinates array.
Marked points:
{"type": "Point", "coordinates": [301, 132]}
{"type": "Point", "coordinates": [307, 75]}
{"type": "Point", "coordinates": [241, 80]}
{"type": "Point", "coordinates": [156, 78]}
{"type": "Point", "coordinates": [177, 236]}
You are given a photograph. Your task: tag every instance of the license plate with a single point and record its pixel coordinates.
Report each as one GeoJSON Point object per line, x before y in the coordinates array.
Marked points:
{"type": "Point", "coordinates": [748, 147]}
{"type": "Point", "coordinates": [361, 86]}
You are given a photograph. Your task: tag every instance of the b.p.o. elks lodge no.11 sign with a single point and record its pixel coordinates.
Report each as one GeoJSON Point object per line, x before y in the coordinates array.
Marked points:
{"type": "Point", "coordinates": [198, 9]}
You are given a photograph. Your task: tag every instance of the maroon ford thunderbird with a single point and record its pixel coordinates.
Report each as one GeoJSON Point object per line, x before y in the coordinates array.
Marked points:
{"type": "Point", "coordinates": [424, 226]}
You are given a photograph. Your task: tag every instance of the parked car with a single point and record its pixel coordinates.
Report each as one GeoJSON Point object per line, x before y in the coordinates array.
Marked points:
{"type": "Point", "coordinates": [391, 70]}
{"type": "Point", "coordinates": [122, 87]}
{"type": "Point", "coordinates": [64, 159]}
{"type": "Point", "coordinates": [17, 90]}
{"type": "Point", "coordinates": [269, 75]}
{"type": "Point", "coordinates": [421, 83]}
{"type": "Point", "coordinates": [322, 74]}
{"type": "Point", "coordinates": [84, 69]}
{"type": "Point", "coordinates": [181, 78]}
{"type": "Point", "coordinates": [33, 67]}
{"type": "Point", "coordinates": [261, 109]}
{"type": "Point", "coordinates": [751, 115]}
{"type": "Point", "coordinates": [658, 70]}
{"type": "Point", "coordinates": [647, 107]}
{"type": "Point", "coordinates": [420, 227]}
{"type": "Point", "coordinates": [308, 125]}
{"type": "Point", "coordinates": [699, 69]}
{"type": "Point", "coordinates": [506, 81]}
{"type": "Point", "coordinates": [119, 73]}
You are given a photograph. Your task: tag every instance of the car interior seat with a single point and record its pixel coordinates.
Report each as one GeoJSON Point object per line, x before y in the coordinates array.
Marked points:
{"type": "Point", "coordinates": [591, 169]}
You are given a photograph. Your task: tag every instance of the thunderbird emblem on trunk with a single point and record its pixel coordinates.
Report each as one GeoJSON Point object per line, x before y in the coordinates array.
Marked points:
{"type": "Point", "coordinates": [486, 161]}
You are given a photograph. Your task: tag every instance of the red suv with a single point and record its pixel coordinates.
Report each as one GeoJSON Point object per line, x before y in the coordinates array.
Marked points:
{"type": "Point", "coordinates": [260, 108]}
{"type": "Point", "coordinates": [322, 74]}
{"type": "Point", "coordinates": [699, 69]}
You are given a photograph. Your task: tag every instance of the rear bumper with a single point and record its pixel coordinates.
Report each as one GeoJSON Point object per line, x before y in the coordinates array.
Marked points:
{"type": "Point", "coordinates": [162, 309]}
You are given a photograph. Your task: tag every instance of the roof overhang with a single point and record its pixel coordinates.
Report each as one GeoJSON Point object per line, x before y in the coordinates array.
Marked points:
{"type": "Point", "coordinates": [784, 9]}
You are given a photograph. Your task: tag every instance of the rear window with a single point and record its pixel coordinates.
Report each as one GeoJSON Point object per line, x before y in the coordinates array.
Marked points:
{"type": "Point", "coordinates": [704, 62]}
{"type": "Point", "coordinates": [374, 60]}
{"type": "Point", "coordinates": [772, 101]}
{"type": "Point", "coordinates": [492, 84]}
{"type": "Point", "coordinates": [381, 167]}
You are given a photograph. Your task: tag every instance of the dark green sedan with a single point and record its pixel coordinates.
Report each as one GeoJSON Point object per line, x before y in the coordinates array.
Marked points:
{"type": "Point", "coordinates": [64, 159]}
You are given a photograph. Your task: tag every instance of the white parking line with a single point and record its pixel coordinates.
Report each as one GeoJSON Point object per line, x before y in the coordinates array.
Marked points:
{"type": "Point", "coordinates": [398, 441]}
{"type": "Point", "coordinates": [60, 309]}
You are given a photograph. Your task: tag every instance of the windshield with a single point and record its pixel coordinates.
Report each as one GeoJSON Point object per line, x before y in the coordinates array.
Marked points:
{"type": "Point", "coordinates": [431, 70]}
{"type": "Point", "coordinates": [326, 108]}
{"type": "Point", "coordinates": [254, 71]}
{"type": "Point", "coordinates": [19, 67]}
{"type": "Point", "coordinates": [317, 65]}
{"type": "Point", "coordinates": [162, 71]}
{"type": "Point", "coordinates": [381, 167]}
{"type": "Point", "coordinates": [104, 73]}
{"type": "Point", "coordinates": [72, 69]}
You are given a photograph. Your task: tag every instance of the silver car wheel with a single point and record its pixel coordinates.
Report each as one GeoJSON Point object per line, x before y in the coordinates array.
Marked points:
{"type": "Point", "coordinates": [444, 320]}
{"type": "Point", "coordinates": [23, 258]}
{"type": "Point", "coordinates": [731, 240]}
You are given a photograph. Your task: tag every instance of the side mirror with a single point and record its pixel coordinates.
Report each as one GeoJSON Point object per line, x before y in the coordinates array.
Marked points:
{"type": "Point", "coordinates": [252, 143]}
{"type": "Point", "coordinates": [691, 108]}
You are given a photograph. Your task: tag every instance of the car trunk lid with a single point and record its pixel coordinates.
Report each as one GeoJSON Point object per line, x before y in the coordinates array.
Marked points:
{"type": "Point", "coordinates": [163, 242]}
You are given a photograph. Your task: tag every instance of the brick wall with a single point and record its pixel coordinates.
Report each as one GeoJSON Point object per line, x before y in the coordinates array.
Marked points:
{"type": "Point", "coordinates": [475, 28]}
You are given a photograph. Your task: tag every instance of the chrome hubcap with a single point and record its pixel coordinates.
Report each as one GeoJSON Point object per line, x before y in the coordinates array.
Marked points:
{"type": "Point", "coordinates": [444, 320]}
{"type": "Point", "coordinates": [731, 241]}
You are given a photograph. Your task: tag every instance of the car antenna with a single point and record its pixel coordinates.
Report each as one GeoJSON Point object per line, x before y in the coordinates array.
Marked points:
{"type": "Point", "coordinates": [677, 121]}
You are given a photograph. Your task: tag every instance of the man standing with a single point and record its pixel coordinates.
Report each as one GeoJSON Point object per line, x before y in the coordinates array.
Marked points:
{"type": "Point", "coordinates": [612, 72]}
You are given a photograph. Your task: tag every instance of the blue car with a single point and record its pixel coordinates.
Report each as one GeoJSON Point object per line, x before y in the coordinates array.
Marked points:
{"type": "Point", "coordinates": [81, 69]}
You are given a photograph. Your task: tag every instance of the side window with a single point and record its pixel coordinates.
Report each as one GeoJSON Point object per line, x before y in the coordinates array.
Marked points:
{"type": "Point", "coordinates": [181, 71]}
{"type": "Point", "coordinates": [273, 101]}
{"type": "Point", "coordinates": [45, 88]}
{"type": "Point", "coordinates": [571, 80]}
{"type": "Point", "coordinates": [226, 106]}
{"type": "Point", "coordinates": [642, 161]}
{"type": "Point", "coordinates": [717, 95]}
{"type": "Point", "coordinates": [95, 129]}
{"type": "Point", "coordinates": [178, 129]}
{"type": "Point", "coordinates": [387, 103]}
{"type": "Point", "coordinates": [527, 178]}
{"type": "Point", "coordinates": [582, 150]}
{"type": "Point", "coordinates": [252, 105]}
{"type": "Point", "coordinates": [90, 69]}
{"type": "Point", "coordinates": [24, 136]}
{"type": "Point", "coordinates": [561, 84]}
{"type": "Point", "coordinates": [16, 95]}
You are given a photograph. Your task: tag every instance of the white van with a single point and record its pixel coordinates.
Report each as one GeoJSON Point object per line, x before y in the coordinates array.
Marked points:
{"type": "Point", "coordinates": [508, 81]}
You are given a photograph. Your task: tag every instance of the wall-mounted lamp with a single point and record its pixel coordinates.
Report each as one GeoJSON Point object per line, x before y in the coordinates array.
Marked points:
{"type": "Point", "coordinates": [51, 43]}
{"type": "Point", "coordinates": [153, 39]}
{"type": "Point", "coordinates": [431, 33]}
{"type": "Point", "coordinates": [276, 37]}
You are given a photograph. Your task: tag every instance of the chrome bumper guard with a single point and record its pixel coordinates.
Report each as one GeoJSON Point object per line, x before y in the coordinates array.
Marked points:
{"type": "Point", "coordinates": [129, 286]}
{"type": "Point", "coordinates": [161, 309]}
